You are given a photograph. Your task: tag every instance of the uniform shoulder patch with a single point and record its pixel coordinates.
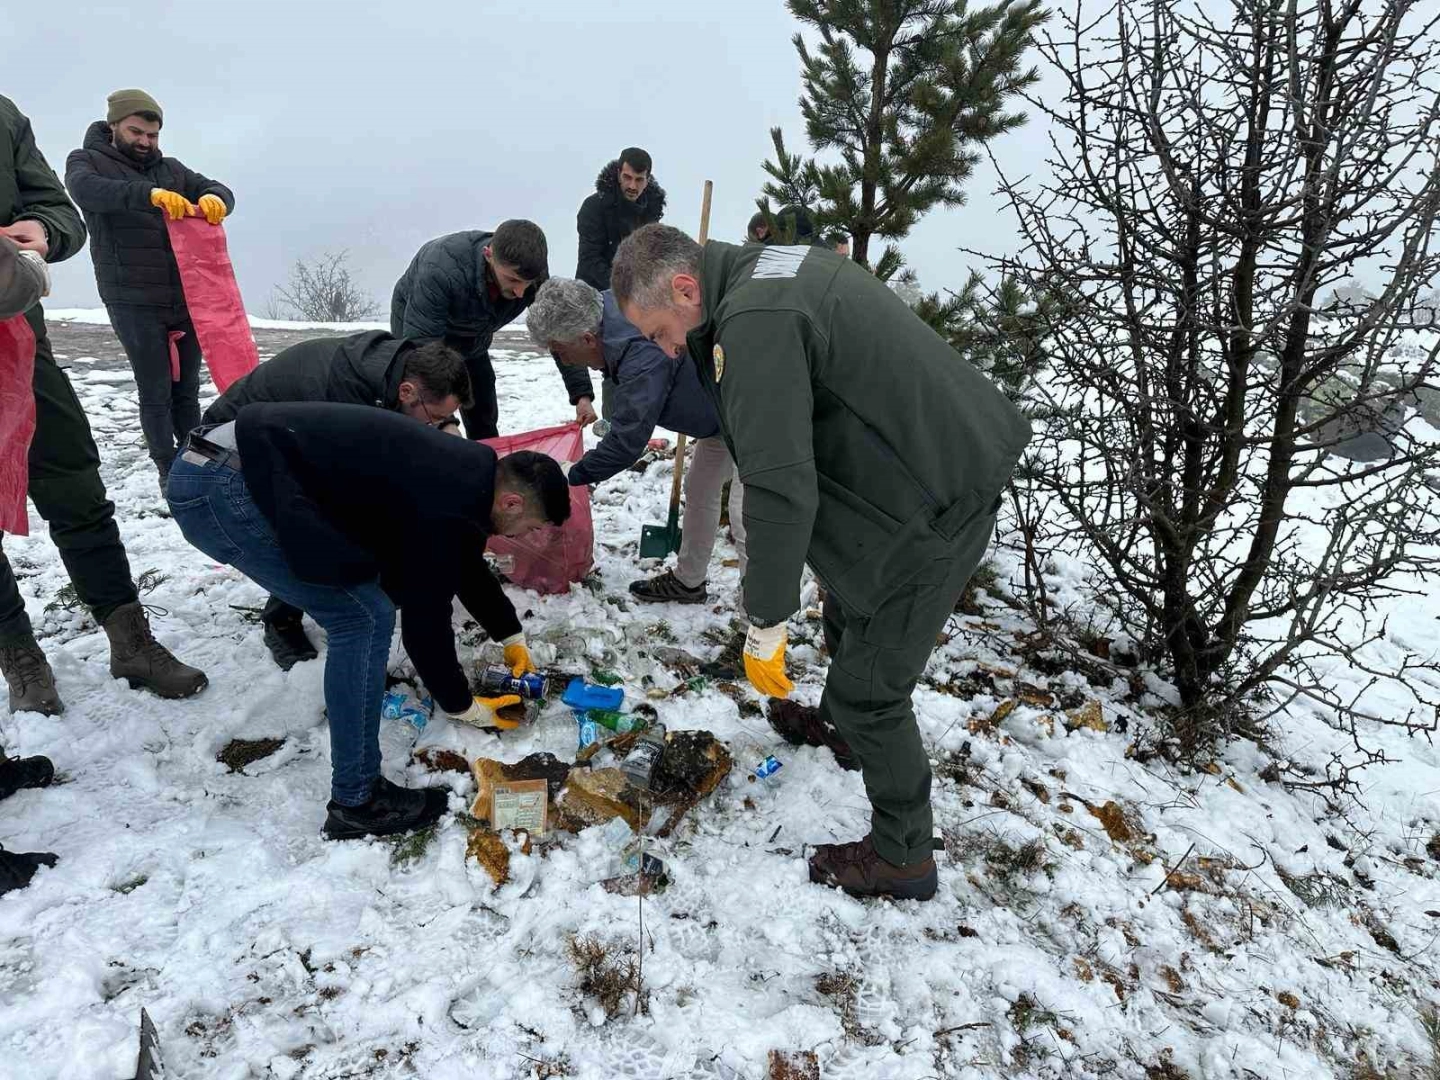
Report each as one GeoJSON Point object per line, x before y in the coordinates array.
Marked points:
{"type": "Point", "coordinates": [718, 354]}
{"type": "Point", "coordinates": [780, 262]}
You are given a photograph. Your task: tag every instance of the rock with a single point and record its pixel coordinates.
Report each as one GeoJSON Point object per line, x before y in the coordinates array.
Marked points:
{"type": "Point", "coordinates": [1090, 715]}
{"type": "Point", "coordinates": [793, 1065]}
{"type": "Point", "coordinates": [601, 795]}
{"type": "Point", "coordinates": [488, 849]}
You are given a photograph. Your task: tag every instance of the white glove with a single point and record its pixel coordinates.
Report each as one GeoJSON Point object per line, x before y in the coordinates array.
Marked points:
{"type": "Point", "coordinates": [476, 715]}
{"type": "Point", "coordinates": [765, 660]}
{"type": "Point", "coordinates": [41, 268]}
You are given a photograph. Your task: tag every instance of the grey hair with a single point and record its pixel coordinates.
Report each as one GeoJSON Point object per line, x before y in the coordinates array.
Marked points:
{"type": "Point", "coordinates": [647, 261]}
{"type": "Point", "coordinates": [564, 310]}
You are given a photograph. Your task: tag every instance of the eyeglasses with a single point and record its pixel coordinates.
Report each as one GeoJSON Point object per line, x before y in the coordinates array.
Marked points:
{"type": "Point", "coordinates": [431, 420]}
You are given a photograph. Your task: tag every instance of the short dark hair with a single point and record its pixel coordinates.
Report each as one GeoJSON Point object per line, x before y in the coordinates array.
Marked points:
{"type": "Point", "coordinates": [147, 115]}
{"type": "Point", "coordinates": [646, 263]}
{"type": "Point", "coordinates": [438, 372]}
{"type": "Point", "coordinates": [520, 245]}
{"type": "Point", "coordinates": [637, 159]}
{"type": "Point", "coordinates": [539, 479]}
{"type": "Point", "coordinates": [752, 233]}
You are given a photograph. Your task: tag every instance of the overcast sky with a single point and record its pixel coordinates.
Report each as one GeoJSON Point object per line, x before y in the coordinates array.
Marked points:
{"type": "Point", "coordinates": [374, 126]}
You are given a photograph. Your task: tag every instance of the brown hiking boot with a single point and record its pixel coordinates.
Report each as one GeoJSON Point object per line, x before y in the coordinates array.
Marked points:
{"type": "Point", "coordinates": [143, 662]}
{"type": "Point", "coordinates": [860, 871]}
{"type": "Point", "coordinates": [32, 683]}
{"type": "Point", "coordinates": [802, 725]}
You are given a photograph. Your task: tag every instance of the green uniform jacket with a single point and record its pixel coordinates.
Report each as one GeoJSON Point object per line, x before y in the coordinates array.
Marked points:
{"type": "Point", "coordinates": [866, 444]}
{"type": "Point", "coordinates": [29, 188]}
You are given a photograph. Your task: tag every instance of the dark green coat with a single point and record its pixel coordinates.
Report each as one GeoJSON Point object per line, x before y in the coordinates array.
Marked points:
{"type": "Point", "coordinates": [866, 444]}
{"type": "Point", "coordinates": [30, 189]}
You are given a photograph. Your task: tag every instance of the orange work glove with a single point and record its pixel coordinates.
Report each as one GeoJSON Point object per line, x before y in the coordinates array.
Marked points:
{"type": "Point", "coordinates": [172, 202]}
{"type": "Point", "coordinates": [213, 207]}
{"type": "Point", "coordinates": [517, 655]}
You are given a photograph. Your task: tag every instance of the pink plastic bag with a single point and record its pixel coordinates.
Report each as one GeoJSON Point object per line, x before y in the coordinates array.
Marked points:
{"type": "Point", "coordinates": [17, 422]}
{"type": "Point", "coordinates": [213, 297]}
{"type": "Point", "coordinates": [549, 559]}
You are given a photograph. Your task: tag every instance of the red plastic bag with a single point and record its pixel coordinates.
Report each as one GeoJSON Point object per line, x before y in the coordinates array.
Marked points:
{"type": "Point", "coordinates": [549, 559]}
{"type": "Point", "coordinates": [17, 421]}
{"type": "Point", "coordinates": [208, 278]}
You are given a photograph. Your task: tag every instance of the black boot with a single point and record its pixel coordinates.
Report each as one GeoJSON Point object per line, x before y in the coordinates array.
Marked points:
{"type": "Point", "coordinates": [17, 773]}
{"type": "Point", "coordinates": [667, 589]}
{"type": "Point", "coordinates": [391, 809]}
{"type": "Point", "coordinates": [18, 867]}
{"type": "Point", "coordinates": [288, 643]}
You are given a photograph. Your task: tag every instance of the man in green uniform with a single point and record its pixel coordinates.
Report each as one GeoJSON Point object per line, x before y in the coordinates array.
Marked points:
{"type": "Point", "coordinates": [868, 449]}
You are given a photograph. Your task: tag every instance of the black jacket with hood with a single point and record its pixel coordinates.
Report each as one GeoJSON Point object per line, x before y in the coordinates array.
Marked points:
{"type": "Point", "coordinates": [606, 218]}
{"type": "Point", "coordinates": [129, 241]}
{"type": "Point", "coordinates": [361, 369]}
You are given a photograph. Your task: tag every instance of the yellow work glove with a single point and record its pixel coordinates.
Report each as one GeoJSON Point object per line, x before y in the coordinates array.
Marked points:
{"type": "Point", "coordinates": [485, 712]}
{"type": "Point", "coordinates": [765, 660]}
{"type": "Point", "coordinates": [172, 202]}
{"type": "Point", "coordinates": [517, 655]}
{"type": "Point", "coordinates": [213, 207]}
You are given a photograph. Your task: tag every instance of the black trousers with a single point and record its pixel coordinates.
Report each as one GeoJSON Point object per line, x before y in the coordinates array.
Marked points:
{"type": "Point", "coordinates": [169, 410]}
{"type": "Point", "coordinates": [66, 489]}
{"type": "Point", "coordinates": [482, 419]}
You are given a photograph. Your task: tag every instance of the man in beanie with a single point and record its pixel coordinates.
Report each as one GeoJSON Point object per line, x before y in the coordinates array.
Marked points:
{"type": "Point", "coordinates": [126, 187]}
{"type": "Point", "coordinates": [64, 467]}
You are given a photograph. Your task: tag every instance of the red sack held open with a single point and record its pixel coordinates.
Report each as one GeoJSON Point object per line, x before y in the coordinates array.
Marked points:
{"type": "Point", "coordinates": [549, 559]}
{"type": "Point", "coordinates": [17, 421]}
{"type": "Point", "coordinates": [208, 279]}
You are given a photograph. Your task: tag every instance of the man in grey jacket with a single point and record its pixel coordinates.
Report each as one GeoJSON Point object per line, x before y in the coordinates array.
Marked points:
{"type": "Point", "coordinates": [582, 327]}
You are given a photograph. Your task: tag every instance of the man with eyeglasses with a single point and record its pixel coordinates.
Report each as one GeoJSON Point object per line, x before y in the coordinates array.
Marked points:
{"type": "Point", "coordinates": [425, 381]}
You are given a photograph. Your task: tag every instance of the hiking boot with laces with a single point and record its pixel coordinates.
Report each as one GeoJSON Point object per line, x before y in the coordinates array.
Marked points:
{"type": "Point", "coordinates": [802, 725]}
{"type": "Point", "coordinates": [18, 867]}
{"type": "Point", "coordinates": [391, 809]}
{"type": "Point", "coordinates": [24, 772]}
{"type": "Point", "coordinates": [143, 662]}
{"type": "Point", "coordinates": [32, 683]}
{"type": "Point", "coordinates": [859, 870]}
{"type": "Point", "coordinates": [667, 589]}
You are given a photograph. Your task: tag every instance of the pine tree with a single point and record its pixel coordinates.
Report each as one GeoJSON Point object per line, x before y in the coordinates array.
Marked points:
{"type": "Point", "coordinates": [904, 92]}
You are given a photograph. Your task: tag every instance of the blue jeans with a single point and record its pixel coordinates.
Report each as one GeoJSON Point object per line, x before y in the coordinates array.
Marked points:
{"type": "Point", "coordinates": [214, 510]}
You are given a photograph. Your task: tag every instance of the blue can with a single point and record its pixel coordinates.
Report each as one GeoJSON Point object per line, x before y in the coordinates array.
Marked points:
{"type": "Point", "coordinates": [497, 681]}
{"type": "Point", "coordinates": [769, 767]}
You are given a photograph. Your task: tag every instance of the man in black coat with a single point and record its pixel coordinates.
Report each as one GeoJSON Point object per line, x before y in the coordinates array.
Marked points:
{"type": "Point", "coordinates": [626, 197]}
{"type": "Point", "coordinates": [464, 287]}
{"type": "Point", "coordinates": [126, 187]}
{"type": "Point", "coordinates": [350, 512]}
{"type": "Point", "coordinates": [424, 381]}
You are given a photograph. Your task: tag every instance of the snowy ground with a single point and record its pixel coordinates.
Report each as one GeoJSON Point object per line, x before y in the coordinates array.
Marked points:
{"type": "Point", "coordinates": [1291, 942]}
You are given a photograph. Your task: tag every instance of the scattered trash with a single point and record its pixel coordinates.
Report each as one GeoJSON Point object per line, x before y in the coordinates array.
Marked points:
{"type": "Point", "coordinates": [640, 763]}
{"type": "Point", "coordinates": [520, 804]}
{"type": "Point", "coordinates": [437, 759]}
{"type": "Point", "coordinates": [497, 682]}
{"type": "Point", "coordinates": [769, 767]}
{"type": "Point", "coordinates": [605, 677]}
{"type": "Point", "coordinates": [401, 702]}
{"type": "Point", "coordinates": [582, 696]}
{"type": "Point", "coordinates": [489, 772]}
{"type": "Point", "coordinates": [634, 885]}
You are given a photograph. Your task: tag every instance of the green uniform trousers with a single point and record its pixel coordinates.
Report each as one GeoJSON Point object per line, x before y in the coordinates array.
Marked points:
{"type": "Point", "coordinates": [875, 663]}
